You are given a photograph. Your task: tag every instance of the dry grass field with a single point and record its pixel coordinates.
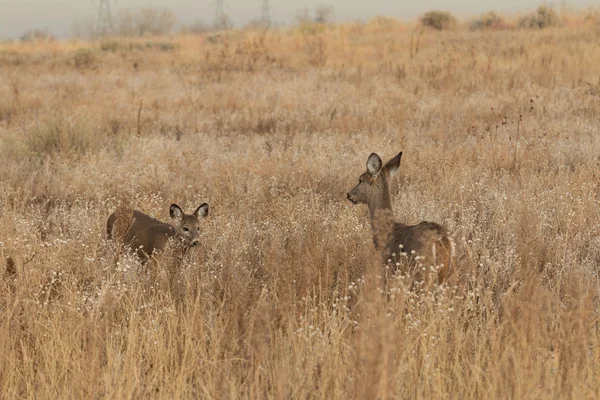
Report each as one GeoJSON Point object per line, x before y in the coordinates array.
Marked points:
{"type": "Point", "coordinates": [284, 298]}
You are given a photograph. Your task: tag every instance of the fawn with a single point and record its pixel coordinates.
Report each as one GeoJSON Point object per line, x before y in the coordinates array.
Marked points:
{"type": "Point", "coordinates": [147, 235]}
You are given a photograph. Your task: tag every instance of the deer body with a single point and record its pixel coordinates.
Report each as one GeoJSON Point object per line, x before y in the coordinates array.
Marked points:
{"type": "Point", "coordinates": [426, 244]}
{"type": "Point", "coordinates": [147, 235]}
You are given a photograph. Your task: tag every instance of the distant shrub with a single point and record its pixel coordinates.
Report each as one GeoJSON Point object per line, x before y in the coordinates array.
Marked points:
{"type": "Point", "coordinates": [439, 20]}
{"type": "Point", "coordinates": [162, 46]}
{"type": "Point", "coordinates": [110, 46]}
{"type": "Point", "coordinates": [114, 46]}
{"type": "Point", "coordinates": [489, 20]}
{"type": "Point", "coordinates": [34, 35]}
{"type": "Point", "coordinates": [146, 21]}
{"type": "Point", "coordinates": [592, 16]}
{"type": "Point", "coordinates": [543, 17]}
{"type": "Point", "coordinates": [84, 59]}
{"type": "Point", "coordinates": [323, 14]}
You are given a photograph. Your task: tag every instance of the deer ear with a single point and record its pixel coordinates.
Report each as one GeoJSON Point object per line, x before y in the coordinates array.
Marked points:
{"type": "Point", "coordinates": [393, 166]}
{"type": "Point", "coordinates": [374, 165]}
{"type": "Point", "coordinates": [176, 212]}
{"type": "Point", "coordinates": [202, 211]}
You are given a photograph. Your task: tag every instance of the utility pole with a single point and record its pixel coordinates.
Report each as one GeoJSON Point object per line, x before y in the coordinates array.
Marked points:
{"type": "Point", "coordinates": [104, 23]}
{"type": "Point", "coordinates": [266, 17]}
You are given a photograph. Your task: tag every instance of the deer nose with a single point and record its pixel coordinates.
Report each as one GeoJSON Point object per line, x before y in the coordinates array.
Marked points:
{"type": "Point", "coordinates": [195, 242]}
{"type": "Point", "coordinates": [350, 198]}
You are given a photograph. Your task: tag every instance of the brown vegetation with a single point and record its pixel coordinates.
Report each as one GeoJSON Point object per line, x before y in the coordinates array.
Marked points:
{"type": "Point", "coordinates": [283, 297]}
{"type": "Point", "coordinates": [543, 17]}
{"type": "Point", "coordinates": [489, 20]}
{"type": "Point", "coordinates": [438, 20]}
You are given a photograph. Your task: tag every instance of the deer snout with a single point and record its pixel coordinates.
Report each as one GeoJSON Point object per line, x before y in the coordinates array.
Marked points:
{"type": "Point", "coordinates": [350, 197]}
{"type": "Point", "coordinates": [195, 242]}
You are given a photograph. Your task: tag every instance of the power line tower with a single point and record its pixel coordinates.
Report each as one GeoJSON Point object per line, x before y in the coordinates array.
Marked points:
{"type": "Point", "coordinates": [219, 13]}
{"type": "Point", "coordinates": [266, 16]}
{"type": "Point", "coordinates": [104, 23]}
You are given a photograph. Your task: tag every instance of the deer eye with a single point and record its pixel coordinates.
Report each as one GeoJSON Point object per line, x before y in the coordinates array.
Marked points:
{"type": "Point", "coordinates": [198, 229]}
{"type": "Point", "coordinates": [185, 228]}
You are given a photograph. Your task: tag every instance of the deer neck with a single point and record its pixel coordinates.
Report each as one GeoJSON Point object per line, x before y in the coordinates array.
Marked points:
{"type": "Point", "coordinates": [382, 214]}
{"type": "Point", "coordinates": [377, 210]}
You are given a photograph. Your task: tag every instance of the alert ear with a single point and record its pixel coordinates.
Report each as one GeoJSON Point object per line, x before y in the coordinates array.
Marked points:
{"type": "Point", "coordinates": [393, 166]}
{"type": "Point", "coordinates": [176, 212]}
{"type": "Point", "coordinates": [374, 165]}
{"type": "Point", "coordinates": [202, 211]}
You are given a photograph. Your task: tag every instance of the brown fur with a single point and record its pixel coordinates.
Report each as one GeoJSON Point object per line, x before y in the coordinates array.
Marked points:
{"type": "Point", "coordinates": [428, 240]}
{"type": "Point", "coordinates": [147, 235]}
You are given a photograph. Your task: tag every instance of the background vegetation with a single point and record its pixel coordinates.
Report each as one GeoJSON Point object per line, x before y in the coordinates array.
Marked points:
{"type": "Point", "coordinates": [283, 299]}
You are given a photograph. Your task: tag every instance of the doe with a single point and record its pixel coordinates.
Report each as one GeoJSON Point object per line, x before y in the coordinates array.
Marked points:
{"type": "Point", "coordinates": [426, 244]}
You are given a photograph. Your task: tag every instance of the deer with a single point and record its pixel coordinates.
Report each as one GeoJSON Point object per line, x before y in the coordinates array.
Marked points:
{"type": "Point", "coordinates": [148, 236]}
{"type": "Point", "coordinates": [425, 245]}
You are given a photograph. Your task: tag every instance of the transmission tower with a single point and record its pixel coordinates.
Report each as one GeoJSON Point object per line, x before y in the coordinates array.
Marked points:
{"type": "Point", "coordinates": [266, 17]}
{"type": "Point", "coordinates": [104, 24]}
{"type": "Point", "coordinates": [219, 13]}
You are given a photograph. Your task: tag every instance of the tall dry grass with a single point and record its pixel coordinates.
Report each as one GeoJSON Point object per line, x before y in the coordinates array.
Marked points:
{"type": "Point", "coordinates": [284, 298]}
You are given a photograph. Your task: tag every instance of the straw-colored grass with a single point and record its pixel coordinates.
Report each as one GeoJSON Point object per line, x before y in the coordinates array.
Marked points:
{"type": "Point", "coordinates": [283, 299]}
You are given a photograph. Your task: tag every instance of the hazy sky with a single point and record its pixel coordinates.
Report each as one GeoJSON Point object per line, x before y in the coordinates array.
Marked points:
{"type": "Point", "coordinates": [17, 16]}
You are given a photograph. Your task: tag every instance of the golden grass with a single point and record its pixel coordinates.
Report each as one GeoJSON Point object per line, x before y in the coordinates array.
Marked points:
{"type": "Point", "coordinates": [283, 299]}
